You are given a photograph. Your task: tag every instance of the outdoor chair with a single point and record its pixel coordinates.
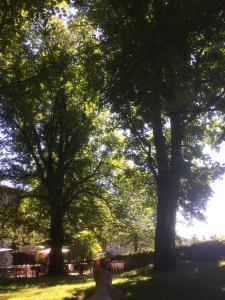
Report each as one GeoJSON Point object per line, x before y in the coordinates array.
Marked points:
{"type": "Point", "coordinates": [117, 266]}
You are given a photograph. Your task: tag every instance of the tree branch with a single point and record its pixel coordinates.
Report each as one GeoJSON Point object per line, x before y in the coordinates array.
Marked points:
{"type": "Point", "coordinates": [199, 110]}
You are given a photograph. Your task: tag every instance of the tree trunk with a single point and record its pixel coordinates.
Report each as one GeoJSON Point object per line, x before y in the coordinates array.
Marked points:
{"type": "Point", "coordinates": [168, 184]}
{"type": "Point", "coordinates": [165, 251]}
{"type": "Point", "coordinates": [56, 261]}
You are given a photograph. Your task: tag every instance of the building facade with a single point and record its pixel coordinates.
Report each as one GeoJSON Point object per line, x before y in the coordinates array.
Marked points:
{"type": "Point", "coordinates": [7, 195]}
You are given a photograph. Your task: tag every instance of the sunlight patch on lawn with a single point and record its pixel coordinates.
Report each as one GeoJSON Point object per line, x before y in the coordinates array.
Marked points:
{"type": "Point", "coordinates": [221, 263]}
{"type": "Point", "coordinates": [128, 279]}
{"type": "Point", "coordinates": [56, 292]}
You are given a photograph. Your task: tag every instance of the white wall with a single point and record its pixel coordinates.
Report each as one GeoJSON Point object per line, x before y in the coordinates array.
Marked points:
{"type": "Point", "coordinates": [6, 257]}
{"type": "Point", "coordinates": [115, 249]}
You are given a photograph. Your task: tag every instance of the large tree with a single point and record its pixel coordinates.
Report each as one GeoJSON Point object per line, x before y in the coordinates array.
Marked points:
{"type": "Point", "coordinates": [163, 67]}
{"type": "Point", "coordinates": [58, 145]}
{"type": "Point", "coordinates": [48, 117]}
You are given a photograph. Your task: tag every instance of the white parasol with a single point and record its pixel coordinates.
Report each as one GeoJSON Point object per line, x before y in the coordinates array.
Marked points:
{"type": "Point", "coordinates": [47, 251]}
{"type": "Point", "coordinates": [5, 249]}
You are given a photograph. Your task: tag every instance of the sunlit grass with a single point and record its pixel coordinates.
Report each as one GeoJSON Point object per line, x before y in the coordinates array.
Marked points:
{"type": "Point", "coordinates": [189, 281]}
{"type": "Point", "coordinates": [43, 288]}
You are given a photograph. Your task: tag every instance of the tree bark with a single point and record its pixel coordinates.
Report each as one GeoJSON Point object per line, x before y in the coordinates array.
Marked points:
{"type": "Point", "coordinates": [168, 185]}
{"type": "Point", "coordinates": [56, 260]}
{"type": "Point", "coordinates": [165, 250]}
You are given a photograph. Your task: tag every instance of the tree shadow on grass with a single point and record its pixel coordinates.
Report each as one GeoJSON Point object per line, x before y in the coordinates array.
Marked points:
{"type": "Point", "coordinates": [17, 284]}
{"type": "Point", "coordinates": [189, 281]}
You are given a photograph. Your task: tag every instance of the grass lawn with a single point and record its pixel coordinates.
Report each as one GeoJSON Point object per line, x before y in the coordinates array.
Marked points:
{"type": "Point", "coordinates": [189, 281]}
{"type": "Point", "coordinates": [43, 288]}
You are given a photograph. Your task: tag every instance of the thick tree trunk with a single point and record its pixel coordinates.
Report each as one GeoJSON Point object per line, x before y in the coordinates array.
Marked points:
{"type": "Point", "coordinates": [56, 261]}
{"type": "Point", "coordinates": [168, 184]}
{"type": "Point", "coordinates": [165, 250]}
